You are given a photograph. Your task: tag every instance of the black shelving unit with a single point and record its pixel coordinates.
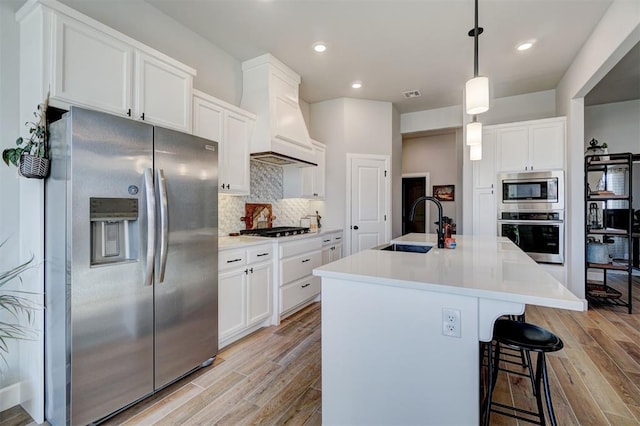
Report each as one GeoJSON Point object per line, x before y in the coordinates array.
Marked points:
{"type": "Point", "coordinates": [612, 223]}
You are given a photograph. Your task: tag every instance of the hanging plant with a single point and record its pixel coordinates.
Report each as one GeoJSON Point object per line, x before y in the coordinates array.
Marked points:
{"type": "Point", "coordinates": [30, 154]}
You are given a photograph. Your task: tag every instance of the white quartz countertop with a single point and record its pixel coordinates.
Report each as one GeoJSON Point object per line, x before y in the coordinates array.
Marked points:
{"type": "Point", "coordinates": [480, 266]}
{"type": "Point", "coordinates": [240, 241]}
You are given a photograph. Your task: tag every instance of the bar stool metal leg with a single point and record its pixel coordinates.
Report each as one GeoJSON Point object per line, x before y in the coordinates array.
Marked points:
{"type": "Point", "coordinates": [539, 371]}
{"type": "Point", "coordinates": [547, 391]}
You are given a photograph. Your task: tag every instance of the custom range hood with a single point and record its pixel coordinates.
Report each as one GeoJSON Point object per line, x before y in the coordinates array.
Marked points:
{"type": "Point", "coordinates": [280, 135]}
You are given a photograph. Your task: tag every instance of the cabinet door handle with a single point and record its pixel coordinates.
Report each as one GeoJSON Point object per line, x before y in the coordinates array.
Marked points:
{"type": "Point", "coordinates": [142, 117]}
{"type": "Point", "coordinates": [222, 186]}
{"type": "Point", "coordinates": [333, 248]}
{"type": "Point", "coordinates": [306, 260]}
{"type": "Point", "coordinates": [246, 271]}
{"type": "Point", "coordinates": [234, 260]}
{"type": "Point", "coordinates": [129, 112]}
{"type": "Point", "coordinates": [251, 270]}
{"type": "Point", "coordinates": [306, 285]}
{"type": "Point", "coordinates": [262, 254]}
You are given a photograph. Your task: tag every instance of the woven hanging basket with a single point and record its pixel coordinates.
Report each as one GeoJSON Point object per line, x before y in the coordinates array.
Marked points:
{"type": "Point", "coordinates": [33, 167]}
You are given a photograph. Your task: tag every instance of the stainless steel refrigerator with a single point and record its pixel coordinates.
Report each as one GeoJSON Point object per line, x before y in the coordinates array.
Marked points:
{"type": "Point", "coordinates": [131, 262]}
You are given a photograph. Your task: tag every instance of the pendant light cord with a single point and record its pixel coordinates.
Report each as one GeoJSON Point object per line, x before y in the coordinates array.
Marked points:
{"type": "Point", "coordinates": [475, 39]}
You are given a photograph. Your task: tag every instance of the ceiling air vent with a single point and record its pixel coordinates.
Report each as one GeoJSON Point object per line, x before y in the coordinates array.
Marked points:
{"type": "Point", "coordinates": [411, 94]}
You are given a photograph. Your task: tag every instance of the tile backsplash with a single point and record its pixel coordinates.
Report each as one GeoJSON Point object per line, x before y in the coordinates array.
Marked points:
{"type": "Point", "coordinates": [266, 187]}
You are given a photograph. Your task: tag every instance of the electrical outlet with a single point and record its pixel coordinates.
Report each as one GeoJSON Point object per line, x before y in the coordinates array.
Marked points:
{"type": "Point", "coordinates": [451, 325]}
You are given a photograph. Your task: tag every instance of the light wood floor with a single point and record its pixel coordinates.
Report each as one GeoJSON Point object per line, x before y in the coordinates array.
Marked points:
{"type": "Point", "coordinates": [273, 376]}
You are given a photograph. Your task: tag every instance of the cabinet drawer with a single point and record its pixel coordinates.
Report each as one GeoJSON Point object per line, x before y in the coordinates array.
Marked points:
{"type": "Point", "coordinates": [232, 258]}
{"type": "Point", "coordinates": [298, 292]}
{"type": "Point", "coordinates": [260, 254]}
{"type": "Point", "coordinates": [299, 266]}
{"type": "Point", "coordinates": [297, 247]}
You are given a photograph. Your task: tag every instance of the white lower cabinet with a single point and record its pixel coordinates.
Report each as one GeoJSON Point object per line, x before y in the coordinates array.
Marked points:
{"type": "Point", "coordinates": [293, 294]}
{"type": "Point", "coordinates": [244, 291]}
{"type": "Point", "coordinates": [331, 247]}
{"type": "Point", "coordinates": [259, 293]}
{"type": "Point", "coordinates": [297, 286]}
{"type": "Point", "coordinates": [485, 219]}
{"type": "Point", "coordinates": [232, 296]}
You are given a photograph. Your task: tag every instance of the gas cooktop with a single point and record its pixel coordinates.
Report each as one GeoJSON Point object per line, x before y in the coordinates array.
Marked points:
{"type": "Point", "coordinates": [278, 231]}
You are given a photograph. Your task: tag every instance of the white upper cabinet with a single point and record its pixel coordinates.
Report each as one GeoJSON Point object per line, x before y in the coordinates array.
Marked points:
{"type": "Point", "coordinates": [235, 153]}
{"type": "Point", "coordinates": [231, 127]}
{"type": "Point", "coordinates": [208, 117]}
{"type": "Point", "coordinates": [546, 142]}
{"type": "Point", "coordinates": [530, 146]}
{"type": "Point", "coordinates": [163, 93]}
{"type": "Point", "coordinates": [513, 149]}
{"type": "Point", "coordinates": [88, 64]}
{"type": "Point", "coordinates": [306, 182]}
{"type": "Point", "coordinates": [85, 56]}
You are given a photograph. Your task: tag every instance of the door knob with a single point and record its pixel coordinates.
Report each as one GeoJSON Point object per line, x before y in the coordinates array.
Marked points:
{"type": "Point", "coordinates": [355, 227]}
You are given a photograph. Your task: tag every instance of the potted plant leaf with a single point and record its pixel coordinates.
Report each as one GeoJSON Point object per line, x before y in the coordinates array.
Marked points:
{"type": "Point", "coordinates": [16, 306]}
{"type": "Point", "coordinates": [30, 154]}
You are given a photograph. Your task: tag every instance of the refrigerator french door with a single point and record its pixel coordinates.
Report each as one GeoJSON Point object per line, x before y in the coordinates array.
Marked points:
{"type": "Point", "coordinates": [131, 262]}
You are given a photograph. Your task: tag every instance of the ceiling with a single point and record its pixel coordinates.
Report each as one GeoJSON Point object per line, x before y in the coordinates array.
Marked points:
{"type": "Point", "coordinates": [622, 83]}
{"type": "Point", "coordinates": [394, 46]}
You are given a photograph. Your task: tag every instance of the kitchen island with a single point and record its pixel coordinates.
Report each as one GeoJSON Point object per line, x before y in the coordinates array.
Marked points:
{"type": "Point", "coordinates": [385, 356]}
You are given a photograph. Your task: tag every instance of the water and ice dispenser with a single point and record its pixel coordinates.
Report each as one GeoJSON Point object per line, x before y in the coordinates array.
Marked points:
{"type": "Point", "coordinates": [113, 225]}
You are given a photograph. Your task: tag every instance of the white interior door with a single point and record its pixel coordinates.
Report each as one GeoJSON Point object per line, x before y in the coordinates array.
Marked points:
{"type": "Point", "coordinates": [369, 184]}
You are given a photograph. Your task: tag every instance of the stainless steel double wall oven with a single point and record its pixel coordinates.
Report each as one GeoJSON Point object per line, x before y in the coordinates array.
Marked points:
{"type": "Point", "coordinates": [531, 213]}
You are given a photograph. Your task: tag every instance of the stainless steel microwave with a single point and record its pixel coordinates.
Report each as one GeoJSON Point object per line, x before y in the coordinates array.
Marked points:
{"type": "Point", "coordinates": [531, 191]}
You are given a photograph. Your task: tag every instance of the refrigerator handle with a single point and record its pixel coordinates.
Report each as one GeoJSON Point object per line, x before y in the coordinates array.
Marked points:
{"type": "Point", "coordinates": [151, 225]}
{"type": "Point", "coordinates": [164, 223]}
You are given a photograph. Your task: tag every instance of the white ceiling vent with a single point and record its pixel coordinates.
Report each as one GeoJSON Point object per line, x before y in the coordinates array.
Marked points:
{"type": "Point", "coordinates": [411, 94]}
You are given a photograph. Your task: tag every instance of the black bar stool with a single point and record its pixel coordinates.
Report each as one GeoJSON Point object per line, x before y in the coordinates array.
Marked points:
{"type": "Point", "coordinates": [528, 337]}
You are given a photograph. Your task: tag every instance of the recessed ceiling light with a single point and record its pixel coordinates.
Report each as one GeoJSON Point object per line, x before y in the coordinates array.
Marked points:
{"type": "Point", "coordinates": [525, 46]}
{"type": "Point", "coordinates": [319, 47]}
{"type": "Point", "coordinates": [356, 84]}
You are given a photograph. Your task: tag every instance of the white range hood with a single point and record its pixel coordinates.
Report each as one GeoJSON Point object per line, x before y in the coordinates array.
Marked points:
{"type": "Point", "coordinates": [280, 135]}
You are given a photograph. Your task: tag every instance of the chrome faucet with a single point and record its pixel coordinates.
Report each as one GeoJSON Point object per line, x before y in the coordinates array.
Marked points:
{"type": "Point", "coordinates": [440, 230]}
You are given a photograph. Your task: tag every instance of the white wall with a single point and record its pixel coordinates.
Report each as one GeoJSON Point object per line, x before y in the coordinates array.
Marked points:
{"type": "Point", "coordinates": [354, 126]}
{"type": "Point", "coordinates": [219, 74]}
{"type": "Point", "coordinates": [436, 155]}
{"type": "Point", "coordinates": [616, 33]}
{"type": "Point", "coordinates": [530, 106]}
{"type": "Point", "coordinates": [617, 124]}
{"type": "Point", "coordinates": [9, 182]}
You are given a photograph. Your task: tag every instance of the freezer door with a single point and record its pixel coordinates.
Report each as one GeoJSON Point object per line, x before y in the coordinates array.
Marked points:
{"type": "Point", "coordinates": [111, 308]}
{"type": "Point", "coordinates": [186, 279]}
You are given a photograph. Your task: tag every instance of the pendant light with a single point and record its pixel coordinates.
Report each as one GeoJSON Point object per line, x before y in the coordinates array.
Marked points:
{"type": "Point", "coordinates": [475, 152]}
{"type": "Point", "coordinates": [474, 133]}
{"type": "Point", "coordinates": [476, 89]}
{"type": "Point", "coordinates": [476, 97]}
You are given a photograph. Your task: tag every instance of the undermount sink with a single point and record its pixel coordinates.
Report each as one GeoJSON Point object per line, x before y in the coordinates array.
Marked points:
{"type": "Point", "coordinates": [409, 248]}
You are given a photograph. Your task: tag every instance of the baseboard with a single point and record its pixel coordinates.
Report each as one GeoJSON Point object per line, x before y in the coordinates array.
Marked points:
{"type": "Point", "coordinates": [10, 396]}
